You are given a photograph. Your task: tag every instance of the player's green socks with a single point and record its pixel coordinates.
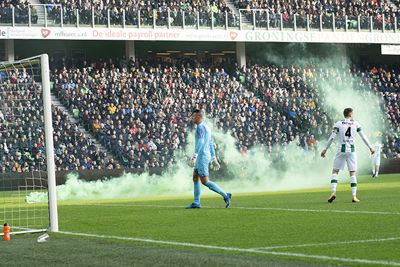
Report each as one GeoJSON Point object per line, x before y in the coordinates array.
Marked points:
{"type": "Point", "coordinates": [216, 189]}
{"type": "Point", "coordinates": [197, 191]}
{"type": "Point", "coordinates": [334, 181]}
{"type": "Point", "coordinates": [353, 183]}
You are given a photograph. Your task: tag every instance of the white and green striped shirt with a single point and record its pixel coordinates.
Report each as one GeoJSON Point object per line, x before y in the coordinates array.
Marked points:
{"type": "Point", "coordinates": [346, 130]}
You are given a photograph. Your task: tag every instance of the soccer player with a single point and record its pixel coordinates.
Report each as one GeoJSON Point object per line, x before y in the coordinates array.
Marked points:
{"type": "Point", "coordinates": [346, 129]}
{"type": "Point", "coordinates": [376, 159]}
{"type": "Point", "coordinates": [204, 155]}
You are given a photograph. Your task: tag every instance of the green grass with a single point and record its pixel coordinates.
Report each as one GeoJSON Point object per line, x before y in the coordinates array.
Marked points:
{"type": "Point", "coordinates": [253, 221]}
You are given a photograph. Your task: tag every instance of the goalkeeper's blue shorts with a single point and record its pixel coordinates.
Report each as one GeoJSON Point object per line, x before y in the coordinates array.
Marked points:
{"type": "Point", "coordinates": [202, 165]}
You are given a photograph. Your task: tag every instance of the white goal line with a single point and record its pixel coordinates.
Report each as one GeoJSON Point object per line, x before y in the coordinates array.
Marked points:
{"type": "Point", "coordinates": [184, 244]}
{"type": "Point", "coordinates": [245, 208]}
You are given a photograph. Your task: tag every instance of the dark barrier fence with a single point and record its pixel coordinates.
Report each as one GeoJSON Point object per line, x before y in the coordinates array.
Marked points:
{"type": "Point", "coordinates": [38, 179]}
{"type": "Point", "coordinates": [390, 166]}
{"type": "Point", "coordinates": [23, 181]}
{"type": "Point", "coordinates": [94, 175]}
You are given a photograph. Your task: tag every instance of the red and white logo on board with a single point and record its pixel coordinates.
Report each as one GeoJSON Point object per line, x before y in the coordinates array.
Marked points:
{"type": "Point", "coordinates": [233, 35]}
{"type": "Point", "coordinates": [45, 32]}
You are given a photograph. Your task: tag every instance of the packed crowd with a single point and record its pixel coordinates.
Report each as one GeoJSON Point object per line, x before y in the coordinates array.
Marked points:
{"type": "Point", "coordinates": [73, 149]}
{"type": "Point", "coordinates": [386, 83]}
{"type": "Point", "coordinates": [288, 90]}
{"type": "Point", "coordinates": [282, 108]}
{"type": "Point", "coordinates": [324, 10]}
{"type": "Point", "coordinates": [142, 12]}
{"type": "Point", "coordinates": [126, 111]}
{"type": "Point", "coordinates": [203, 13]}
{"type": "Point", "coordinates": [20, 12]}
{"type": "Point", "coordinates": [141, 110]}
{"type": "Point", "coordinates": [22, 134]}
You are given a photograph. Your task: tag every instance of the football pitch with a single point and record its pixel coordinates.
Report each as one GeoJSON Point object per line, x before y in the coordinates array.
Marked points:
{"type": "Point", "coordinates": [291, 228]}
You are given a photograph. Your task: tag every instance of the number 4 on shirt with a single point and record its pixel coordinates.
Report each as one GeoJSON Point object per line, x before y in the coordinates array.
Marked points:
{"type": "Point", "coordinates": [348, 132]}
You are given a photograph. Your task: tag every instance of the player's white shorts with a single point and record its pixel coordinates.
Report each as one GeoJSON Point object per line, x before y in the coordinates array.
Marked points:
{"type": "Point", "coordinates": [345, 157]}
{"type": "Point", "coordinates": [376, 161]}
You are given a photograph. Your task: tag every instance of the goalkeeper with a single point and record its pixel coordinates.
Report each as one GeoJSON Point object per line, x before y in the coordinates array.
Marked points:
{"type": "Point", "coordinates": [204, 156]}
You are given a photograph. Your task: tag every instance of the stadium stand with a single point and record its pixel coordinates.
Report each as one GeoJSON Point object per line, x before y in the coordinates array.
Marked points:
{"type": "Point", "coordinates": [141, 112]}
{"type": "Point", "coordinates": [338, 7]}
{"type": "Point", "coordinates": [147, 9]}
{"type": "Point", "coordinates": [287, 90]}
{"type": "Point", "coordinates": [125, 110]}
{"type": "Point", "coordinates": [267, 13]}
{"type": "Point", "coordinates": [386, 83]}
{"type": "Point", "coordinates": [73, 150]}
{"type": "Point", "coordinates": [20, 12]}
{"type": "Point", "coordinates": [379, 10]}
{"type": "Point", "coordinates": [21, 148]}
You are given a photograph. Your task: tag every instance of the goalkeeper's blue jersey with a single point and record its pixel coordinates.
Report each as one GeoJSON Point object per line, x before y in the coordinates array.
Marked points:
{"type": "Point", "coordinates": [203, 140]}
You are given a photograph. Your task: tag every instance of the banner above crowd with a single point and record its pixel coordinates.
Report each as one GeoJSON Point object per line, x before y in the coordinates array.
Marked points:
{"type": "Point", "coordinates": [70, 33]}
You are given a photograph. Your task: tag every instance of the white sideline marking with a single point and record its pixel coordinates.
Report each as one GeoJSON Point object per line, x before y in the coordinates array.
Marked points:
{"type": "Point", "coordinates": [332, 243]}
{"type": "Point", "coordinates": [244, 208]}
{"type": "Point", "coordinates": [235, 249]}
{"type": "Point", "coordinates": [335, 211]}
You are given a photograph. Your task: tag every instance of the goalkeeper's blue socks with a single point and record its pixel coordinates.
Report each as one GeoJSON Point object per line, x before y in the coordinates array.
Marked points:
{"type": "Point", "coordinates": [197, 191]}
{"type": "Point", "coordinates": [216, 189]}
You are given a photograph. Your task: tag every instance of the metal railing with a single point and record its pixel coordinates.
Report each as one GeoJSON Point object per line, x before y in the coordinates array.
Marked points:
{"type": "Point", "coordinates": [51, 15]}
{"type": "Point", "coordinates": [262, 20]}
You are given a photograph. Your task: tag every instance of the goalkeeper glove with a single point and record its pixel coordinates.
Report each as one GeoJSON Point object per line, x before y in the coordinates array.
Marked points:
{"type": "Point", "coordinates": [214, 164]}
{"type": "Point", "coordinates": [192, 160]}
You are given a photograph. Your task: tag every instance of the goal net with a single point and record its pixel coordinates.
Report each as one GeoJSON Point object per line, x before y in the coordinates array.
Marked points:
{"type": "Point", "coordinates": [26, 146]}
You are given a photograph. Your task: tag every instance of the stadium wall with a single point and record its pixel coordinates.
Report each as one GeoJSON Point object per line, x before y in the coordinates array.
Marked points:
{"type": "Point", "coordinates": [87, 49]}
{"type": "Point", "coordinates": [387, 166]}
{"type": "Point", "coordinates": [73, 33]}
{"type": "Point", "coordinates": [358, 53]}
{"type": "Point", "coordinates": [109, 49]}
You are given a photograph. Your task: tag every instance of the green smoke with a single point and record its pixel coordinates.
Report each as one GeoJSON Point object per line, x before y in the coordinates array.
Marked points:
{"type": "Point", "coordinates": [258, 170]}
{"type": "Point", "coordinates": [367, 111]}
{"type": "Point", "coordinates": [338, 93]}
{"type": "Point", "coordinates": [252, 172]}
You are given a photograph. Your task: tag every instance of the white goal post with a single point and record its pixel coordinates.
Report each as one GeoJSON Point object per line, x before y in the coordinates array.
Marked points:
{"type": "Point", "coordinates": [27, 163]}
